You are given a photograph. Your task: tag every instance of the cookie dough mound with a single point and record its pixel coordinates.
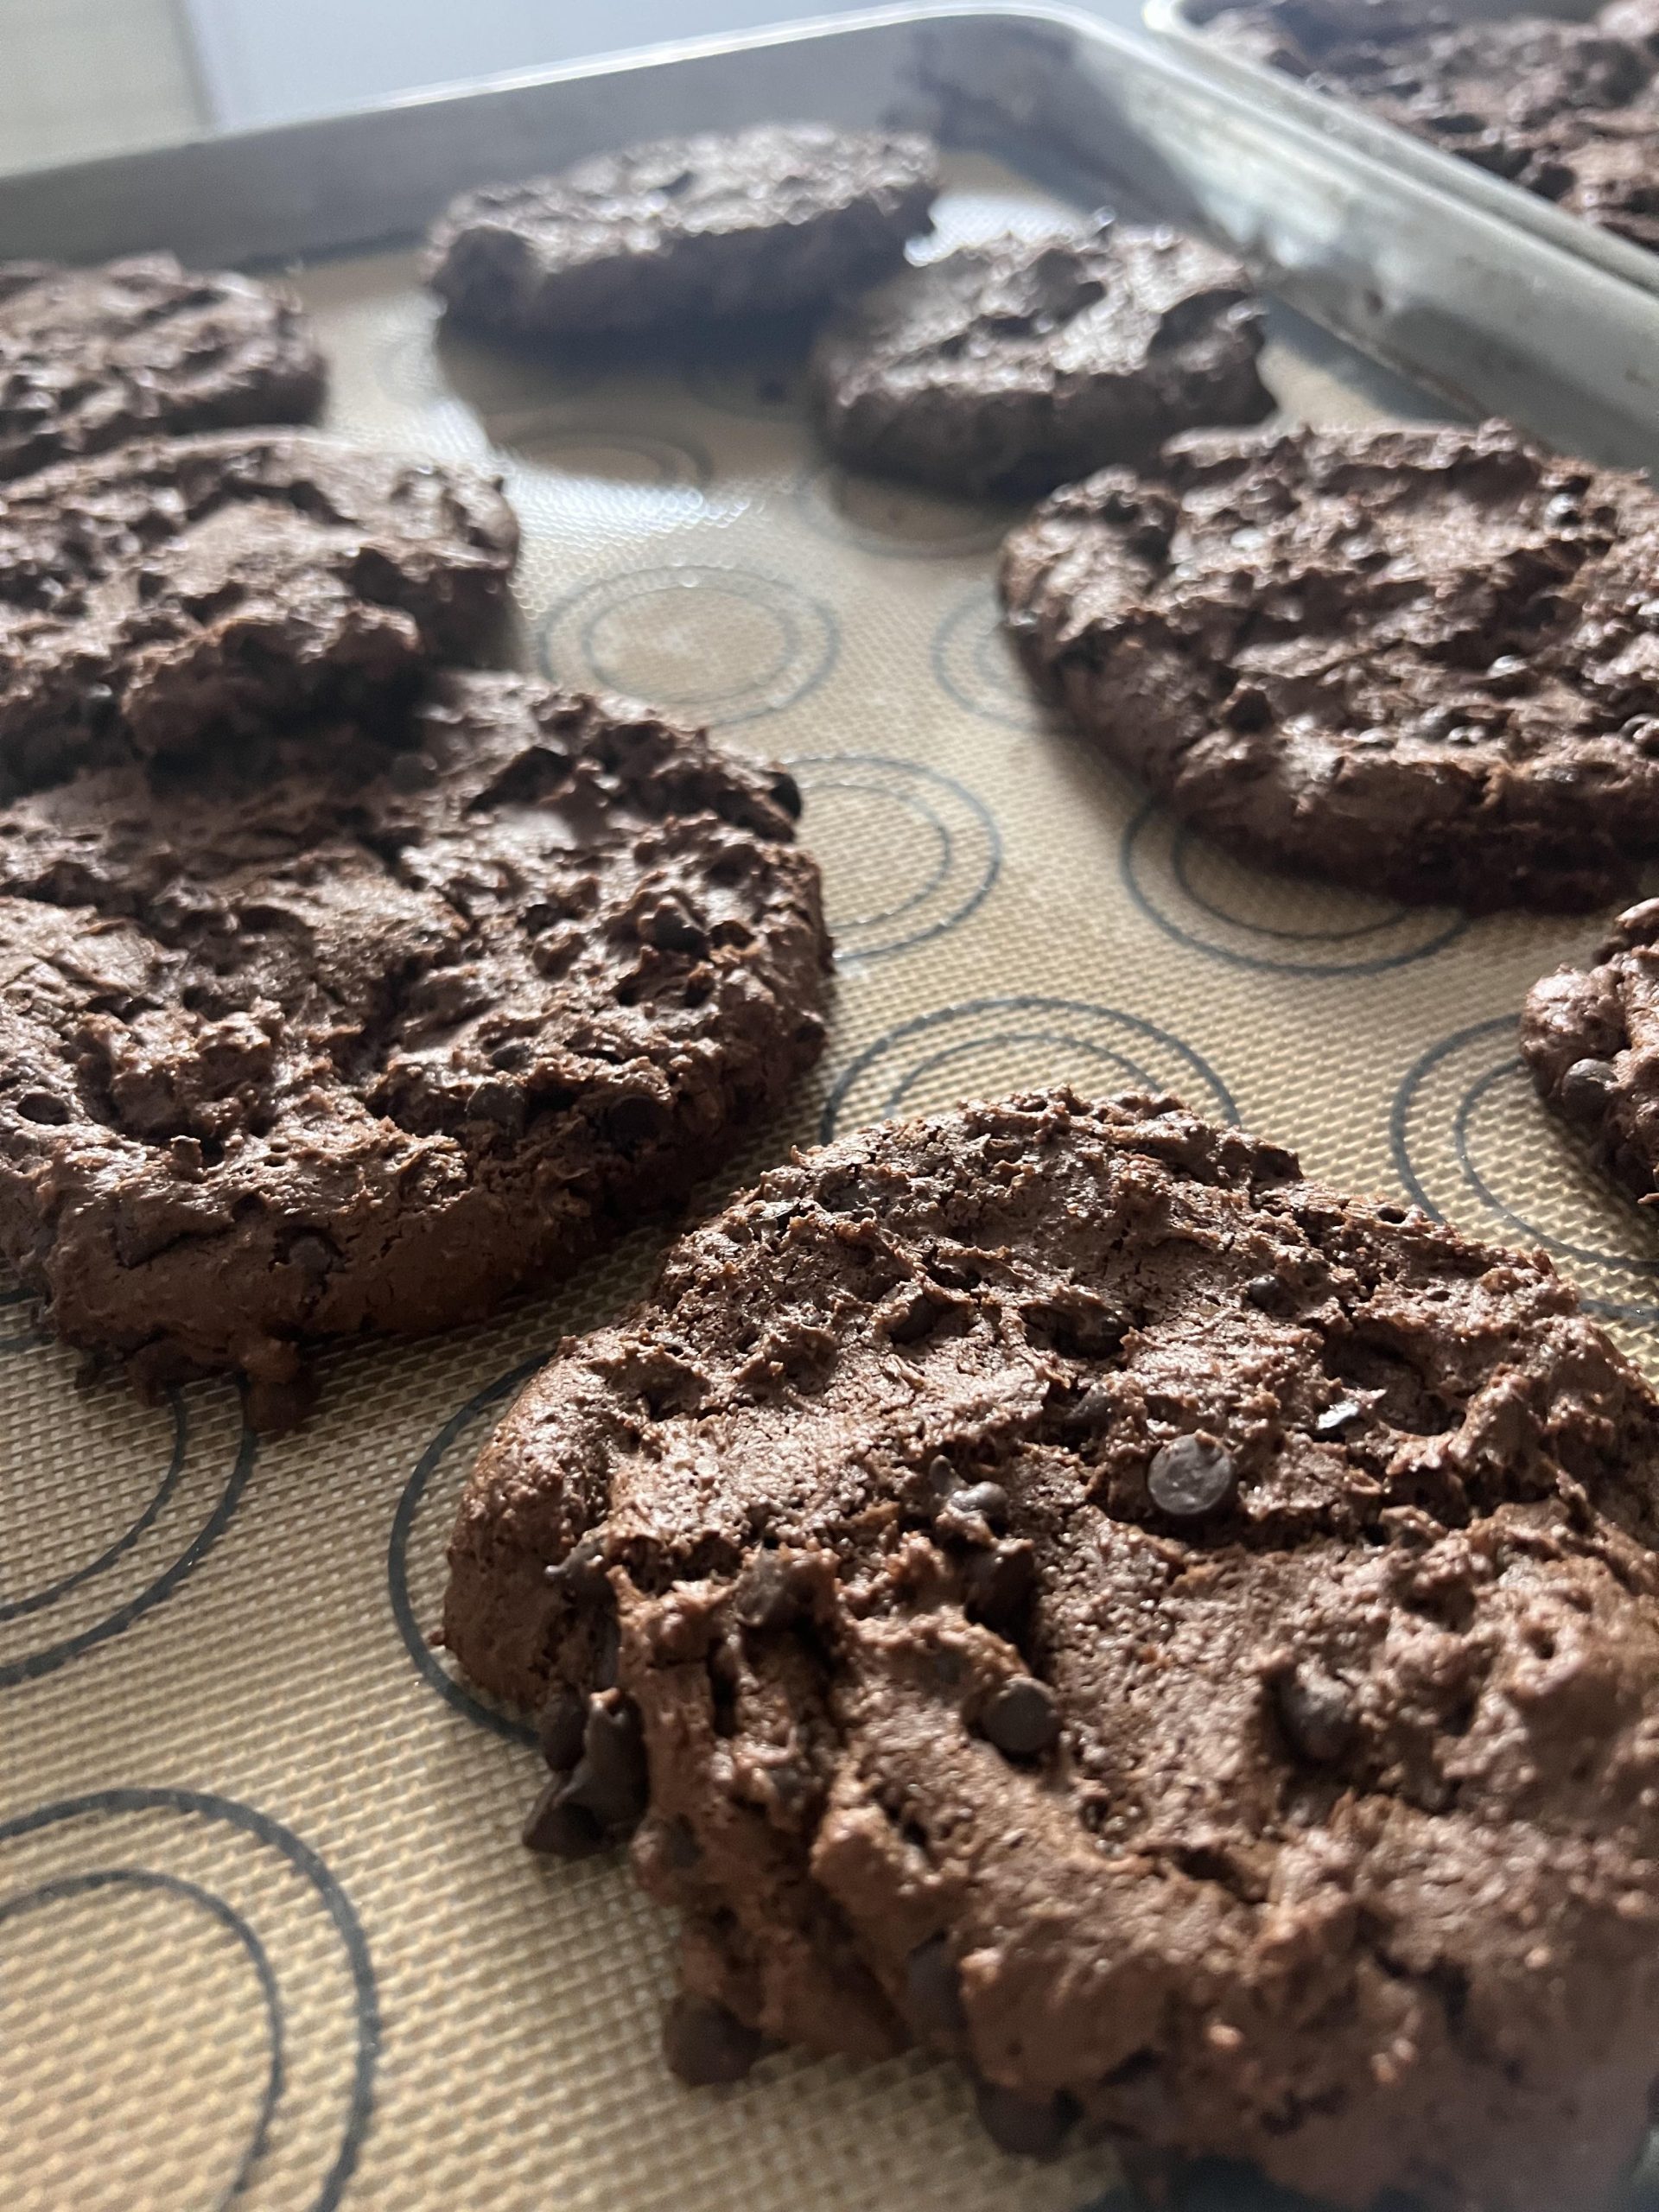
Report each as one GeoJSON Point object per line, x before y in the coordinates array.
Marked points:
{"type": "Point", "coordinates": [363, 1034]}
{"type": "Point", "coordinates": [90, 358]}
{"type": "Point", "coordinates": [1586, 1035]}
{"type": "Point", "coordinates": [1057, 1586]}
{"type": "Point", "coordinates": [184, 589]}
{"type": "Point", "coordinates": [1422, 659]}
{"type": "Point", "coordinates": [766, 222]}
{"type": "Point", "coordinates": [1007, 368]}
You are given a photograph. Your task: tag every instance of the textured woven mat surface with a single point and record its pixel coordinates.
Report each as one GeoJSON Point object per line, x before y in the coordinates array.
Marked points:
{"type": "Point", "coordinates": [267, 1936]}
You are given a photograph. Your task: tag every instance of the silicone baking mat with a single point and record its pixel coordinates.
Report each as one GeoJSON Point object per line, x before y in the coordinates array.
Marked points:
{"type": "Point", "coordinates": [267, 1935]}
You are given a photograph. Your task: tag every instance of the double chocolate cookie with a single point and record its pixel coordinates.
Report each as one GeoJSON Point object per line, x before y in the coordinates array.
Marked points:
{"type": "Point", "coordinates": [1056, 1587]}
{"type": "Point", "coordinates": [347, 1033]}
{"type": "Point", "coordinates": [1425, 660]}
{"type": "Point", "coordinates": [1569, 110]}
{"type": "Point", "coordinates": [770, 221]}
{"type": "Point", "coordinates": [183, 588]}
{"type": "Point", "coordinates": [1588, 1036]}
{"type": "Point", "coordinates": [90, 358]}
{"type": "Point", "coordinates": [1007, 368]}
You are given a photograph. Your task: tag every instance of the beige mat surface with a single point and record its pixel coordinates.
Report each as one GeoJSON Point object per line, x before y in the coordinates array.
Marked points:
{"type": "Point", "coordinates": [267, 1936]}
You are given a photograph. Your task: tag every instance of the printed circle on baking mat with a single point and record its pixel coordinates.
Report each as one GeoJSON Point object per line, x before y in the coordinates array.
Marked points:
{"type": "Point", "coordinates": [896, 521]}
{"type": "Point", "coordinates": [106, 1505]}
{"type": "Point", "coordinates": [723, 644]}
{"type": "Point", "coordinates": [976, 664]}
{"type": "Point", "coordinates": [414, 1568]}
{"type": "Point", "coordinates": [1250, 918]}
{"type": "Point", "coordinates": [188, 2008]}
{"type": "Point", "coordinates": [989, 1048]}
{"type": "Point", "coordinates": [1474, 1144]}
{"type": "Point", "coordinates": [557, 469]}
{"type": "Point", "coordinates": [908, 853]}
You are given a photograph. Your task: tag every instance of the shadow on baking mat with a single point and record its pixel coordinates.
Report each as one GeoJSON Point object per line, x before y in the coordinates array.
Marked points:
{"type": "Point", "coordinates": [1154, 2183]}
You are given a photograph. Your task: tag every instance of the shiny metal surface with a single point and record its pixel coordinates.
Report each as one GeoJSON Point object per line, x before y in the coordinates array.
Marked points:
{"type": "Point", "coordinates": [1493, 315]}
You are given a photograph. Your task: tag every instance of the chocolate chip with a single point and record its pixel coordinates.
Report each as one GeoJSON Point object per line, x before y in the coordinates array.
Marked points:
{"type": "Point", "coordinates": [1268, 1294]}
{"type": "Point", "coordinates": [787, 793]}
{"type": "Point", "coordinates": [1316, 1712]}
{"type": "Point", "coordinates": [502, 1104]}
{"type": "Point", "coordinates": [705, 2044]}
{"type": "Point", "coordinates": [581, 1571]}
{"type": "Point", "coordinates": [1093, 1410]}
{"type": "Point", "coordinates": [44, 1107]}
{"type": "Point", "coordinates": [561, 1830]}
{"type": "Point", "coordinates": [1250, 709]}
{"type": "Point", "coordinates": [763, 1597]}
{"type": "Point", "coordinates": [1189, 1476]}
{"type": "Point", "coordinates": [1020, 2124]}
{"type": "Point", "coordinates": [312, 1255]}
{"type": "Point", "coordinates": [683, 1847]}
{"type": "Point", "coordinates": [609, 1655]}
{"type": "Point", "coordinates": [611, 1780]}
{"type": "Point", "coordinates": [672, 929]}
{"type": "Point", "coordinates": [941, 1475]}
{"type": "Point", "coordinates": [975, 1511]}
{"type": "Point", "coordinates": [1342, 1415]}
{"type": "Point", "coordinates": [1585, 1089]}
{"type": "Point", "coordinates": [1022, 1718]}
{"type": "Point", "coordinates": [932, 1990]}
{"type": "Point", "coordinates": [559, 1732]}
{"type": "Point", "coordinates": [909, 1319]}
{"type": "Point", "coordinates": [995, 1585]}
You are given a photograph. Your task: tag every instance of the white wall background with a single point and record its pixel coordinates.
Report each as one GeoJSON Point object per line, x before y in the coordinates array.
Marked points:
{"type": "Point", "coordinates": [81, 77]}
{"type": "Point", "coordinates": [86, 76]}
{"type": "Point", "coordinates": [264, 61]}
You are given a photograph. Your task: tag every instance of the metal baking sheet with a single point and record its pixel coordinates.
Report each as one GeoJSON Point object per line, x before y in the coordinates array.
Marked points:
{"type": "Point", "coordinates": [1375, 145]}
{"type": "Point", "coordinates": [267, 1940]}
{"type": "Point", "coordinates": [1428, 280]}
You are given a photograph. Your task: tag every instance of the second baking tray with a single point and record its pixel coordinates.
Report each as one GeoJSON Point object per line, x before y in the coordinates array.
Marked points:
{"type": "Point", "coordinates": [268, 1939]}
{"type": "Point", "coordinates": [1380, 149]}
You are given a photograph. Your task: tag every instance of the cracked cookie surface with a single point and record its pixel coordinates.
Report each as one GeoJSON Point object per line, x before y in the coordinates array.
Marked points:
{"type": "Point", "coordinates": [180, 589]}
{"type": "Point", "coordinates": [362, 1034]}
{"type": "Point", "coordinates": [1053, 1585]}
{"type": "Point", "coordinates": [90, 358]}
{"type": "Point", "coordinates": [1424, 660]}
{"type": "Point", "coordinates": [770, 221]}
{"type": "Point", "coordinates": [1589, 1037]}
{"type": "Point", "coordinates": [1004, 369]}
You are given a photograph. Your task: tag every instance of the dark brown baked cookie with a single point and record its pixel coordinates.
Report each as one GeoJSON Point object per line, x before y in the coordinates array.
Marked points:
{"type": "Point", "coordinates": [1422, 659]}
{"type": "Point", "coordinates": [761, 222]}
{"type": "Point", "coordinates": [342, 1033]}
{"type": "Point", "coordinates": [1587, 1036]}
{"type": "Point", "coordinates": [1007, 368]}
{"type": "Point", "coordinates": [186, 588]}
{"type": "Point", "coordinates": [90, 358]}
{"type": "Point", "coordinates": [1056, 1587]}
{"type": "Point", "coordinates": [1569, 110]}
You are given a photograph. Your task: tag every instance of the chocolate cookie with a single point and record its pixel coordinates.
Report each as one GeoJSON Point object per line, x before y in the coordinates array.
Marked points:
{"type": "Point", "coordinates": [1585, 1035]}
{"type": "Point", "coordinates": [90, 358]}
{"type": "Point", "coordinates": [762, 222]}
{"type": "Point", "coordinates": [184, 588]}
{"type": "Point", "coordinates": [1569, 110]}
{"type": "Point", "coordinates": [1425, 660]}
{"type": "Point", "coordinates": [1057, 1587]}
{"type": "Point", "coordinates": [347, 1033]}
{"type": "Point", "coordinates": [1005, 369]}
